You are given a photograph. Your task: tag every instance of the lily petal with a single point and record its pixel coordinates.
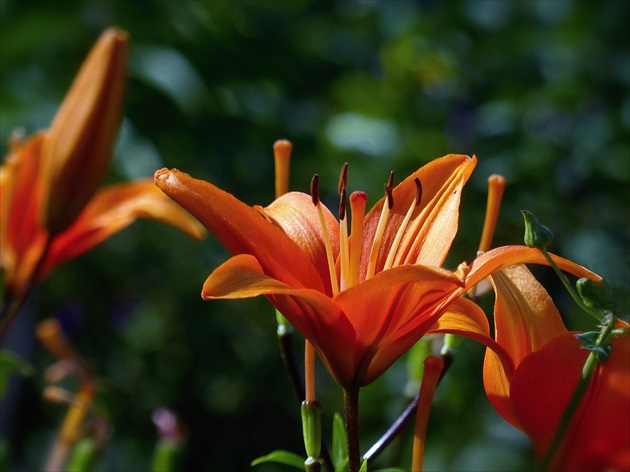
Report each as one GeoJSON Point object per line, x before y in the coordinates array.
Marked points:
{"type": "Point", "coordinates": [505, 256]}
{"type": "Point", "coordinates": [112, 209]}
{"type": "Point", "coordinates": [295, 213]}
{"type": "Point", "coordinates": [21, 239]}
{"type": "Point", "coordinates": [392, 310]}
{"type": "Point", "coordinates": [77, 150]}
{"type": "Point", "coordinates": [600, 438]}
{"type": "Point", "coordinates": [241, 229]}
{"type": "Point", "coordinates": [433, 226]}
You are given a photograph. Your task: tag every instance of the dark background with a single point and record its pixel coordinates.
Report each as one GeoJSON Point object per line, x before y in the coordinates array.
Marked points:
{"type": "Point", "coordinates": [538, 90]}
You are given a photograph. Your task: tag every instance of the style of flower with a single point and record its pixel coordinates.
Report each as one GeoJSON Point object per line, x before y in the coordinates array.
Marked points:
{"type": "Point", "coordinates": [548, 363]}
{"type": "Point", "coordinates": [361, 299]}
{"type": "Point", "coordinates": [51, 207]}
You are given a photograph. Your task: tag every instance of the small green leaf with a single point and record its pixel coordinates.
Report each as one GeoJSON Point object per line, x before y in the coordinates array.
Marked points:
{"type": "Point", "coordinates": [589, 341]}
{"type": "Point", "coordinates": [339, 443]}
{"type": "Point", "coordinates": [363, 466]}
{"type": "Point", "coordinates": [282, 457]}
{"type": "Point", "coordinates": [11, 363]}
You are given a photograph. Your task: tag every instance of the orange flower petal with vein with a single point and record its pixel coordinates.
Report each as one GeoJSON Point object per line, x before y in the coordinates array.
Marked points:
{"type": "Point", "coordinates": [241, 228]}
{"type": "Point", "coordinates": [433, 226]}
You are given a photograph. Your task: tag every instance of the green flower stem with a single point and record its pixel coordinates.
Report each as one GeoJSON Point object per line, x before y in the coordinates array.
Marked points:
{"type": "Point", "coordinates": [578, 394]}
{"type": "Point", "coordinates": [399, 424]}
{"type": "Point", "coordinates": [570, 288]}
{"type": "Point", "coordinates": [351, 410]}
{"type": "Point", "coordinates": [285, 342]}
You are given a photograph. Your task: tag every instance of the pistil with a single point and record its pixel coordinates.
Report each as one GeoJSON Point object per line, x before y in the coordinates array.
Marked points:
{"type": "Point", "coordinates": [282, 160]}
{"type": "Point", "coordinates": [496, 186]}
{"type": "Point", "coordinates": [358, 202]}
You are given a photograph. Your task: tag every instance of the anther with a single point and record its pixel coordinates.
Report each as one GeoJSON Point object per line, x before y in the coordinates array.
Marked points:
{"type": "Point", "coordinates": [389, 187]}
{"type": "Point", "coordinates": [418, 190]}
{"type": "Point", "coordinates": [342, 204]}
{"type": "Point", "coordinates": [315, 189]}
{"type": "Point", "coordinates": [343, 178]}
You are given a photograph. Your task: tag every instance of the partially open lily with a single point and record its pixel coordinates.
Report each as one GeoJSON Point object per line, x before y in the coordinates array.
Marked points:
{"type": "Point", "coordinates": [548, 362]}
{"type": "Point", "coordinates": [51, 209]}
{"type": "Point", "coordinates": [362, 299]}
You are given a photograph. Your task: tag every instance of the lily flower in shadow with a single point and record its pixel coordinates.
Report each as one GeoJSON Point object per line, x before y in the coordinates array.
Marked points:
{"type": "Point", "coordinates": [364, 298]}
{"type": "Point", "coordinates": [52, 209]}
{"type": "Point", "coordinates": [548, 365]}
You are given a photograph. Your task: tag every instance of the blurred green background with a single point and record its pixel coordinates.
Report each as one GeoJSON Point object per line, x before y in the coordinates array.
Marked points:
{"type": "Point", "coordinates": [538, 90]}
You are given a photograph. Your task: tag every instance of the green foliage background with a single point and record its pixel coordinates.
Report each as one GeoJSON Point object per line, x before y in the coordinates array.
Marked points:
{"type": "Point", "coordinates": [538, 90]}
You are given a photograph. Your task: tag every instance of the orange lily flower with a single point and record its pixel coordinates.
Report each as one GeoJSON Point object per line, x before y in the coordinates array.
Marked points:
{"type": "Point", "coordinates": [548, 362]}
{"type": "Point", "coordinates": [362, 300]}
{"type": "Point", "coordinates": [51, 208]}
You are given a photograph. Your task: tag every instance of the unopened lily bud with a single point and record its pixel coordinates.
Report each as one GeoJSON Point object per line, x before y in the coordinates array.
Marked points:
{"type": "Point", "coordinates": [594, 294]}
{"type": "Point", "coordinates": [536, 235]}
{"type": "Point", "coordinates": [312, 428]}
{"type": "Point", "coordinates": [78, 146]}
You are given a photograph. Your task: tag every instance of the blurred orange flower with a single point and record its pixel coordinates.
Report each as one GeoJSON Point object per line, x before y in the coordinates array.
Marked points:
{"type": "Point", "coordinates": [51, 207]}
{"type": "Point", "coordinates": [364, 299]}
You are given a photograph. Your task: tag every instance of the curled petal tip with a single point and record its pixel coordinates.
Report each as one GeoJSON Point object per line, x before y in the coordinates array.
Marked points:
{"type": "Point", "coordinates": [161, 174]}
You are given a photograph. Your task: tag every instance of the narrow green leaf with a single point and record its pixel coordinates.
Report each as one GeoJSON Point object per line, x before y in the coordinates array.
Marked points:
{"type": "Point", "coordinates": [363, 466]}
{"type": "Point", "coordinates": [11, 363]}
{"type": "Point", "coordinates": [339, 443]}
{"type": "Point", "coordinates": [282, 457]}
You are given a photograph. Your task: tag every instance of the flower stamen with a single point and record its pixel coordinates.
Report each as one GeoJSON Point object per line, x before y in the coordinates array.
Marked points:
{"type": "Point", "coordinates": [344, 257]}
{"type": "Point", "coordinates": [380, 229]}
{"type": "Point", "coordinates": [403, 226]}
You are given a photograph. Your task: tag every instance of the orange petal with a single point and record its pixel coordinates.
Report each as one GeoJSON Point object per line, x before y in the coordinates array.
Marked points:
{"type": "Point", "coordinates": [111, 210]}
{"type": "Point", "coordinates": [313, 314]}
{"type": "Point", "coordinates": [78, 149]}
{"type": "Point", "coordinates": [505, 256]}
{"type": "Point", "coordinates": [599, 438]}
{"type": "Point", "coordinates": [241, 229]}
{"type": "Point", "coordinates": [392, 310]}
{"type": "Point", "coordinates": [542, 386]}
{"type": "Point", "coordinates": [21, 239]}
{"type": "Point", "coordinates": [434, 222]}
{"type": "Point", "coordinates": [297, 216]}
{"type": "Point", "coordinates": [524, 314]}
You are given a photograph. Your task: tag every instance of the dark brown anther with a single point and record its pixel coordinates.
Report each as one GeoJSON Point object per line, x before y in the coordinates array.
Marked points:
{"type": "Point", "coordinates": [342, 204]}
{"type": "Point", "coordinates": [390, 181]}
{"type": "Point", "coordinates": [315, 189]}
{"type": "Point", "coordinates": [343, 178]}
{"type": "Point", "coordinates": [389, 196]}
{"type": "Point", "coordinates": [389, 187]}
{"type": "Point", "coordinates": [418, 190]}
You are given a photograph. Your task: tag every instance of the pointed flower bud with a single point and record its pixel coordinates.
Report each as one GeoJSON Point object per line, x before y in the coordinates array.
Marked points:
{"type": "Point", "coordinates": [78, 147]}
{"type": "Point", "coordinates": [536, 235]}
{"type": "Point", "coordinates": [312, 428]}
